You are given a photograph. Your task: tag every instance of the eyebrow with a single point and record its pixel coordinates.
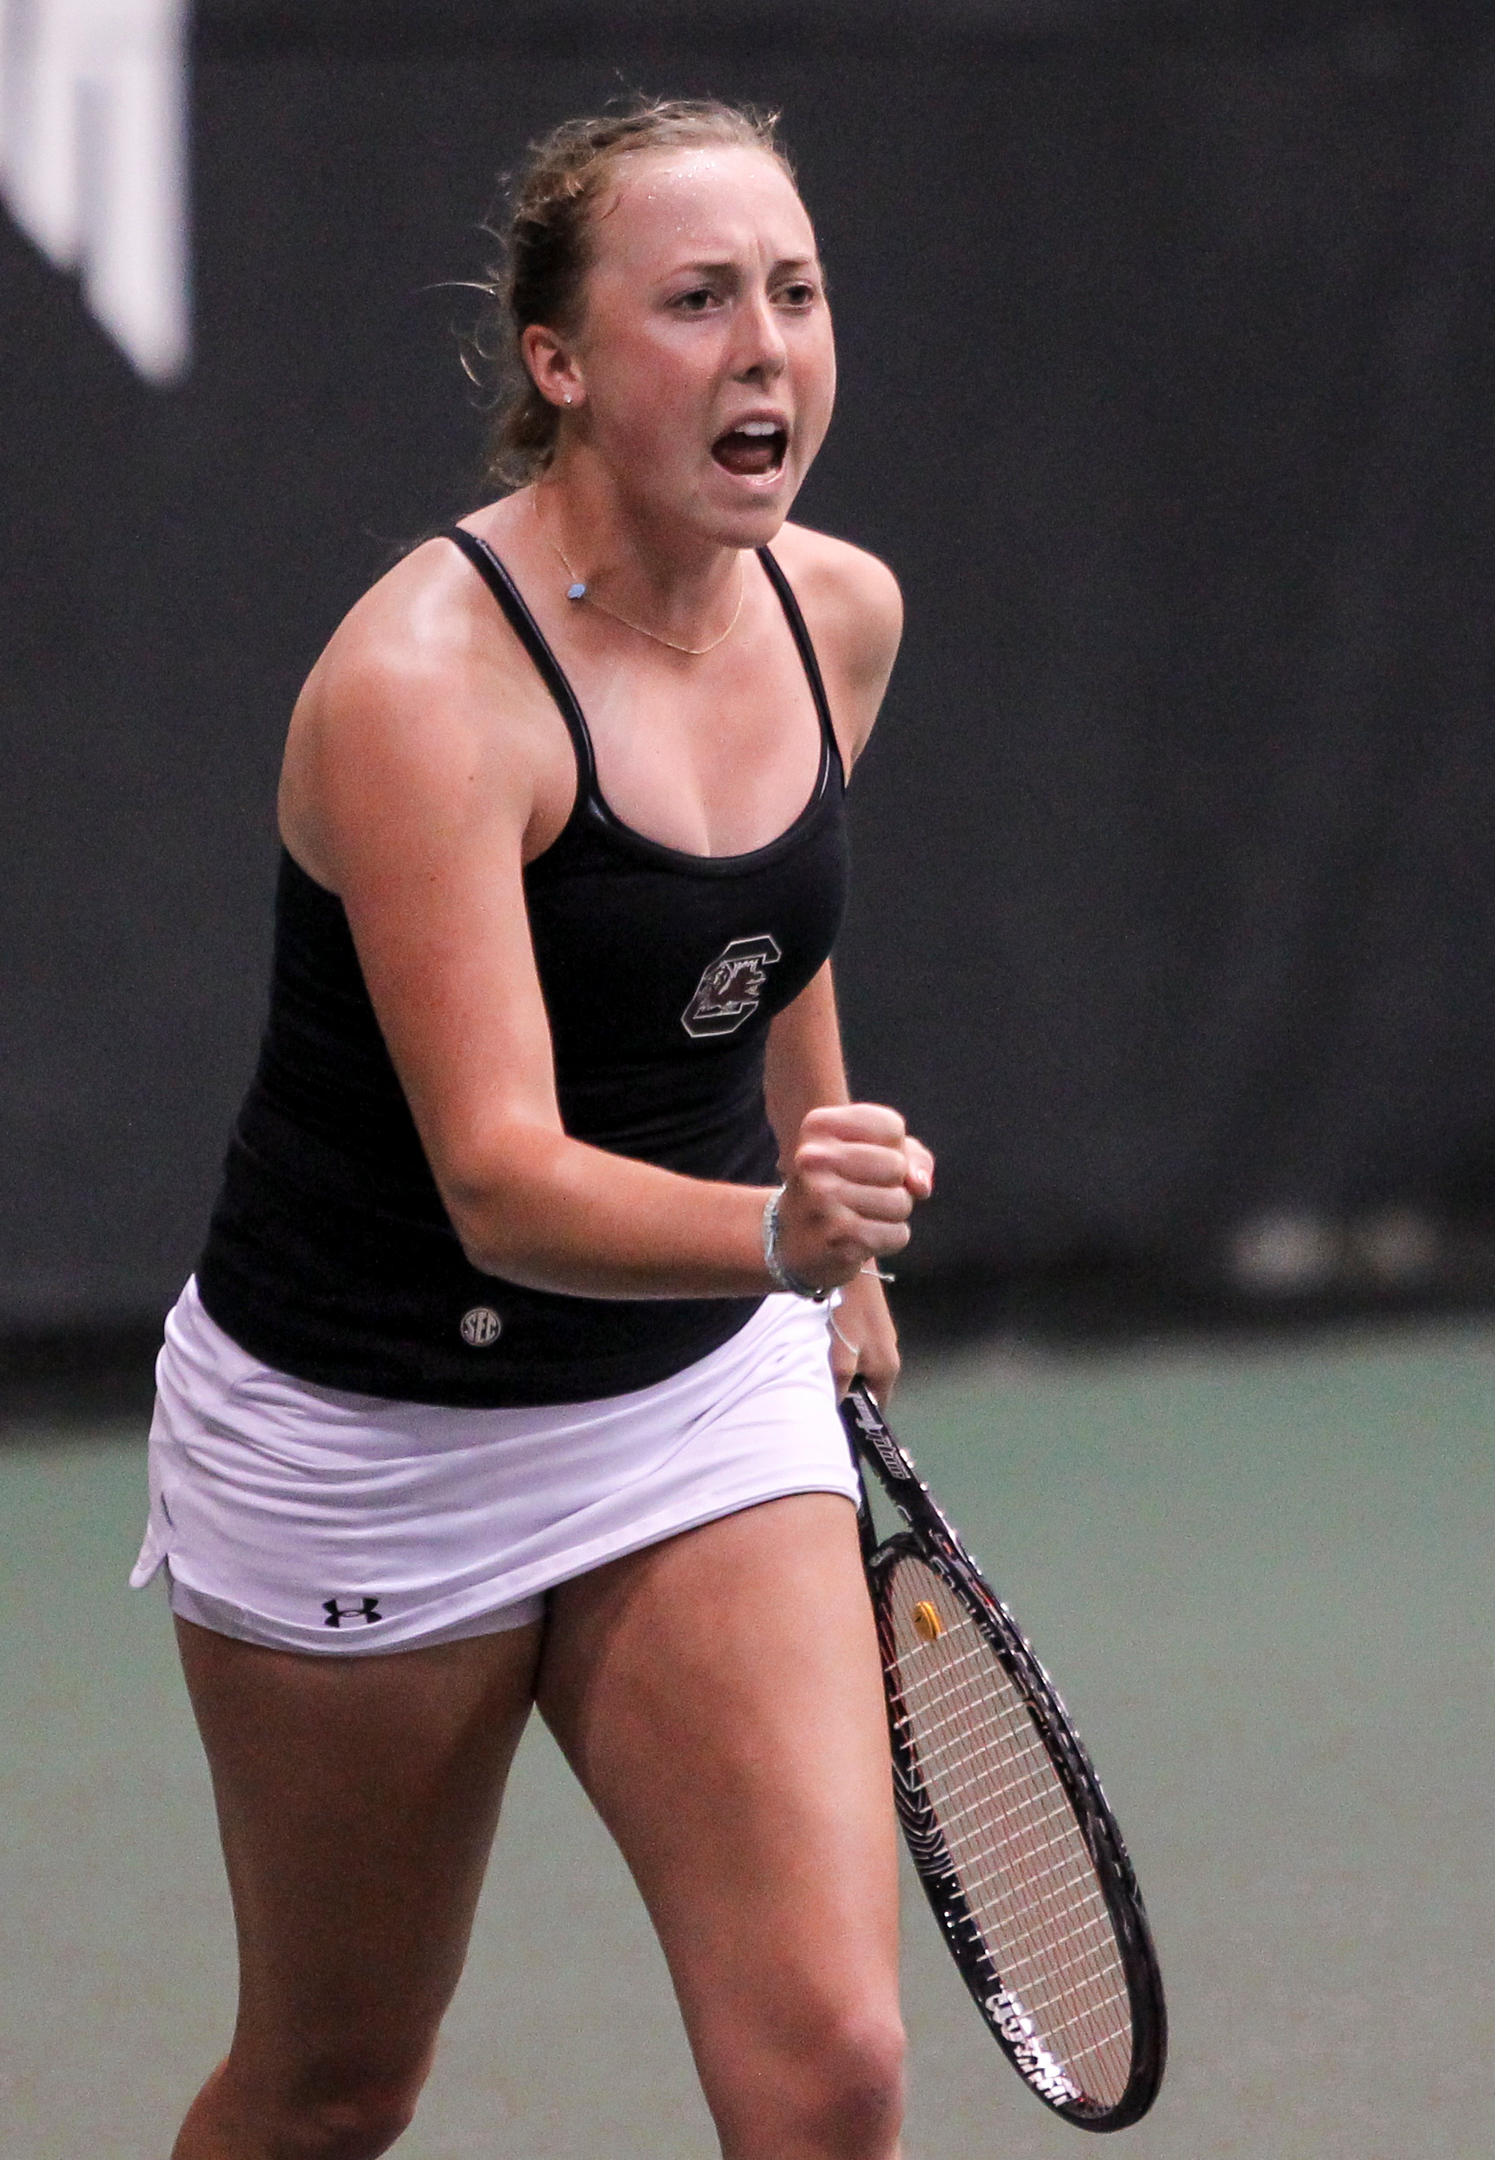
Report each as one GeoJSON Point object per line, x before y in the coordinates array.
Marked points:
{"type": "Point", "coordinates": [727, 262]}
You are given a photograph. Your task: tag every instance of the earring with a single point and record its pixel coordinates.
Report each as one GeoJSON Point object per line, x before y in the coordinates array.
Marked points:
{"type": "Point", "coordinates": [568, 397]}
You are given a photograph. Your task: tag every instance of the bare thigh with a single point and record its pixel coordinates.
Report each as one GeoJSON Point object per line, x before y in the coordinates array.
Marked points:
{"type": "Point", "coordinates": [720, 1698]}
{"type": "Point", "coordinates": [357, 1799]}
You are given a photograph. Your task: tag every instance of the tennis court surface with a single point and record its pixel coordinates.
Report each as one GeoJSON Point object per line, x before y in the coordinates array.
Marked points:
{"type": "Point", "coordinates": [1261, 1578]}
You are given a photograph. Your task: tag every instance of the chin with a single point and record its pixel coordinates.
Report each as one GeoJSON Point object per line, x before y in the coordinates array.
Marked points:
{"type": "Point", "coordinates": [750, 519]}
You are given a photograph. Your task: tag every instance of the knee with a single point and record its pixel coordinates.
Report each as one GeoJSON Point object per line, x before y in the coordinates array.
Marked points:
{"type": "Point", "coordinates": [854, 2097]}
{"type": "Point", "coordinates": [326, 2113]}
{"type": "Point", "coordinates": [357, 2125]}
{"type": "Point", "coordinates": [829, 2085]}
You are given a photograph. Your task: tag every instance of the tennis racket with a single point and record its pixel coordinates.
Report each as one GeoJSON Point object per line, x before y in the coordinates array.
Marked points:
{"type": "Point", "coordinates": [1012, 1837]}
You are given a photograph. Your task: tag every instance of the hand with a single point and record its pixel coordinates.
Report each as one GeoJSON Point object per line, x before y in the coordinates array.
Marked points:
{"type": "Point", "coordinates": [864, 1339]}
{"type": "Point", "coordinates": [849, 1192]}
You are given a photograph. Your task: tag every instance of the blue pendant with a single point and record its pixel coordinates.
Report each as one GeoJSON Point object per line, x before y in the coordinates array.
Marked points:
{"type": "Point", "coordinates": [577, 591]}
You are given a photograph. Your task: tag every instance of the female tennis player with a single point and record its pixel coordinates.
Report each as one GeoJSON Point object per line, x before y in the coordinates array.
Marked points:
{"type": "Point", "coordinates": [507, 1375]}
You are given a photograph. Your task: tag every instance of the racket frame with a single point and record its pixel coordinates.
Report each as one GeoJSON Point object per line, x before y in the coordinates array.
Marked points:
{"type": "Point", "coordinates": [930, 1537]}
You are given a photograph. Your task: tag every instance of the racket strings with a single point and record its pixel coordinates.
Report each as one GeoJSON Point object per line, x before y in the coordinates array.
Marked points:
{"type": "Point", "coordinates": [1011, 1834]}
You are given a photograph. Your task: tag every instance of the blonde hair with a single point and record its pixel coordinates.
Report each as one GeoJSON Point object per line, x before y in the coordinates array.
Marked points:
{"type": "Point", "coordinates": [548, 252]}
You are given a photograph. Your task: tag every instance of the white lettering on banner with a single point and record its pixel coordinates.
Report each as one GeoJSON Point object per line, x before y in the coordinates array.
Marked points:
{"type": "Point", "coordinates": [93, 159]}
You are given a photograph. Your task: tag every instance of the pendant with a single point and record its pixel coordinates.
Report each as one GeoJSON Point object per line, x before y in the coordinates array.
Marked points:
{"type": "Point", "coordinates": [577, 591]}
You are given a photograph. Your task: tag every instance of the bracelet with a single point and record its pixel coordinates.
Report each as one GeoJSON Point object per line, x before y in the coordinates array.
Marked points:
{"type": "Point", "coordinates": [783, 1278]}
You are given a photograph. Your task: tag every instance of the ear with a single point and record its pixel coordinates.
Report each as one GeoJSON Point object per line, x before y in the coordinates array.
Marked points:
{"type": "Point", "coordinates": [551, 367]}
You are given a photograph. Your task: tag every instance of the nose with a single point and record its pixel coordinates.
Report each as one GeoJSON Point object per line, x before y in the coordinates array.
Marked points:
{"type": "Point", "coordinates": [762, 355]}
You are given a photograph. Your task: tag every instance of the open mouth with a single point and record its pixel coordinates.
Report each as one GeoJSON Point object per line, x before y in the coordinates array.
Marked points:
{"type": "Point", "coordinates": [756, 449]}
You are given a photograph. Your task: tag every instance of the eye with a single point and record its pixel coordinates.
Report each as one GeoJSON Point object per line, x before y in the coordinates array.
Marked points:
{"type": "Point", "coordinates": [801, 294]}
{"type": "Point", "coordinates": [694, 302]}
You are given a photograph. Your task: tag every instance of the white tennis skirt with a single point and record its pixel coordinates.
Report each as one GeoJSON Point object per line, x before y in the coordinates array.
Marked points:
{"type": "Point", "coordinates": [307, 1519]}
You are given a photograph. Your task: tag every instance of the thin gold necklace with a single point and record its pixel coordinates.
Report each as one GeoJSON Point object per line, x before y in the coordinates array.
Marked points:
{"type": "Point", "coordinates": [578, 589]}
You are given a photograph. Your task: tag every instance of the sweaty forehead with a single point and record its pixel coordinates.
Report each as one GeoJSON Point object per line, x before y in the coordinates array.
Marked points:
{"type": "Point", "coordinates": [698, 203]}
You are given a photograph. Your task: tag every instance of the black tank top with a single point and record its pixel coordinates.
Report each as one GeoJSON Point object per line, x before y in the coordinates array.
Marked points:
{"type": "Point", "coordinates": [330, 1255]}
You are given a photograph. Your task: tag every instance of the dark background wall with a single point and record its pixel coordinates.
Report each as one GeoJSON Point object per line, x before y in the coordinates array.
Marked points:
{"type": "Point", "coordinates": [1168, 371]}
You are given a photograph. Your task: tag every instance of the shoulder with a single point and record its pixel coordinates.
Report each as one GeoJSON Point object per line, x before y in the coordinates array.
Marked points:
{"type": "Point", "coordinates": [854, 611]}
{"type": "Point", "coordinates": [420, 690]}
{"type": "Point", "coordinates": [421, 627]}
{"type": "Point", "coordinates": [853, 597]}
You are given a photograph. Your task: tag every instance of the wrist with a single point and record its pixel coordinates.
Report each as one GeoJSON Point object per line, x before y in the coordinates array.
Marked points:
{"type": "Point", "coordinates": [780, 1274]}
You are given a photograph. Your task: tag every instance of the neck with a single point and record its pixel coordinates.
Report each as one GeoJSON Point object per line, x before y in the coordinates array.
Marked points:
{"type": "Point", "coordinates": [678, 581]}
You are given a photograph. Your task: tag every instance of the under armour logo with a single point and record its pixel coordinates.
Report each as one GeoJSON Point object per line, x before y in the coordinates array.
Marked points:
{"type": "Point", "coordinates": [365, 1609]}
{"type": "Point", "coordinates": [731, 987]}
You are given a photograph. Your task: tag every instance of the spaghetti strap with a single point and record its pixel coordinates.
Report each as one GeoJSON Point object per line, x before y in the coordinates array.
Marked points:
{"type": "Point", "coordinates": [552, 674]}
{"type": "Point", "coordinates": [800, 630]}
{"type": "Point", "coordinates": [532, 638]}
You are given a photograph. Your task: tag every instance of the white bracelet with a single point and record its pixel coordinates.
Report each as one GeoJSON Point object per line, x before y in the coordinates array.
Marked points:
{"type": "Point", "coordinates": [782, 1277]}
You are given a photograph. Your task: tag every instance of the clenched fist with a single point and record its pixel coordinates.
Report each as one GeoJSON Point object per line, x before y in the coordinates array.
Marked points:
{"type": "Point", "coordinates": [849, 1192]}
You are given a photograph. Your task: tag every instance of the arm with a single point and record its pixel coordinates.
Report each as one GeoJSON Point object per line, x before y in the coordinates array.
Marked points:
{"type": "Point", "coordinates": [855, 614]}
{"type": "Point", "coordinates": [804, 1068]}
{"type": "Point", "coordinates": [805, 1071]}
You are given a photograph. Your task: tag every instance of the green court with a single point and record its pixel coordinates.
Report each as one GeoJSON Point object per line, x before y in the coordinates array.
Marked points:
{"type": "Point", "coordinates": [1262, 1579]}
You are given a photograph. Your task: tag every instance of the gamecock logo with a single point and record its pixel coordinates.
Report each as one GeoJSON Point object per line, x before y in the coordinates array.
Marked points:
{"type": "Point", "coordinates": [730, 990]}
